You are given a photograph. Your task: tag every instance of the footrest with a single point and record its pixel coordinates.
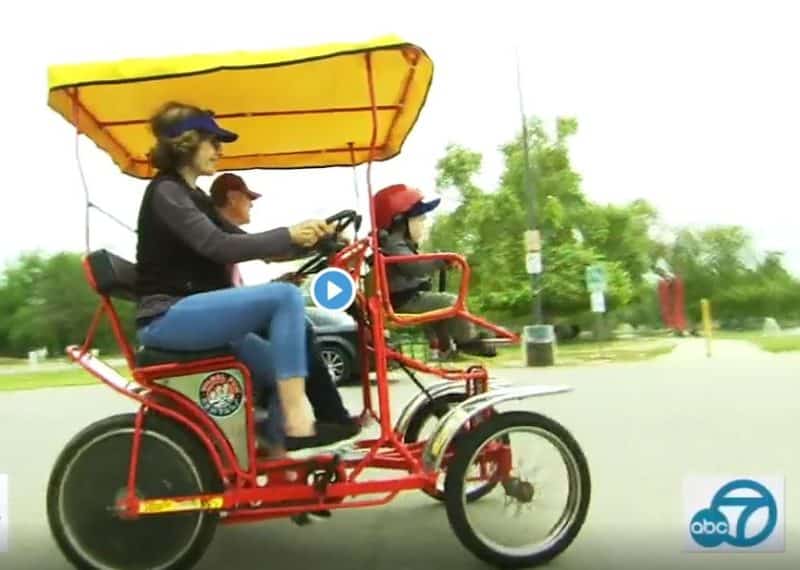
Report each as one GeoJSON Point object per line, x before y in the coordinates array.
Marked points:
{"type": "Point", "coordinates": [498, 341]}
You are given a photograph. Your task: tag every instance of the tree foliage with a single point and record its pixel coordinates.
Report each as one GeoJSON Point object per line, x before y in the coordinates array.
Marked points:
{"type": "Point", "coordinates": [488, 226]}
{"type": "Point", "coordinates": [45, 301]}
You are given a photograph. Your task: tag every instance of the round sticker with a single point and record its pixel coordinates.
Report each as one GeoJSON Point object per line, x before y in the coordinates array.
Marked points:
{"type": "Point", "coordinates": [221, 394]}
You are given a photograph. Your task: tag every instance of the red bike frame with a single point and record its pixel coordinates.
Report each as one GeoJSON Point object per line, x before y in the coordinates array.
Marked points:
{"type": "Point", "coordinates": [296, 486]}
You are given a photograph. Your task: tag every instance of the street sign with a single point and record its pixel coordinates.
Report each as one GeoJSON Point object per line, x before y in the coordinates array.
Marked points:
{"type": "Point", "coordinates": [598, 302]}
{"type": "Point", "coordinates": [533, 263]}
{"type": "Point", "coordinates": [596, 278]}
{"type": "Point", "coordinates": [533, 241]}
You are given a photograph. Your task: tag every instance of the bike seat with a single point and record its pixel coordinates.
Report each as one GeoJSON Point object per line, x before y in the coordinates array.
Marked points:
{"type": "Point", "coordinates": [149, 356]}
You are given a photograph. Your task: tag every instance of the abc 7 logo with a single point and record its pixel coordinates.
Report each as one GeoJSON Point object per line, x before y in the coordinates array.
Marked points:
{"type": "Point", "coordinates": [710, 527]}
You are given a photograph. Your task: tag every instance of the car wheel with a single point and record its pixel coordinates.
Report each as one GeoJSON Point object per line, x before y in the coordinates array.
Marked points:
{"type": "Point", "coordinates": [338, 361]}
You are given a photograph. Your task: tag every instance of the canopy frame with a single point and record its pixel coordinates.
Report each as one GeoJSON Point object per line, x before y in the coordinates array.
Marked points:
{"type": "Point", "coordinates": [403, 86]}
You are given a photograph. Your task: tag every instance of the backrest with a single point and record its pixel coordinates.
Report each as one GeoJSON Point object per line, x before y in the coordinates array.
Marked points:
{"type": "Point", "coordinates": [112, 275]}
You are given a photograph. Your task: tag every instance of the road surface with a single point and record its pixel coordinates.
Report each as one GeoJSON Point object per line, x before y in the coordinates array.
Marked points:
{"type": "Point", "coordinates": [643, 427]}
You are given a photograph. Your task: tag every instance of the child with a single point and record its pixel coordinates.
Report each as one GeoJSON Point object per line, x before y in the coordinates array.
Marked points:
{"type": "Point", "coordinates": [400, 217]}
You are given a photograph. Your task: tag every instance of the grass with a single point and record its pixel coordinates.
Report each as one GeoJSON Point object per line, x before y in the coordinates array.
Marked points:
{"type": "Point", "coordinates": [586, 352]}
{"type": "Point", "coordinates": [771, 343]}
{"type": "Point", "coordinates": [46, 379]}
{"type": "Point", "coordinates": [788, 343]}
{"type": "Point", "coordinates": [567, 355]}
{"type": "Point", "coordinates": [32, 380]}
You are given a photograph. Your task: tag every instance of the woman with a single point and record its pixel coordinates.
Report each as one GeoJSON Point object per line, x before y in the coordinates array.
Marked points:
{"type": "Point", "coordinates": [183, 264]}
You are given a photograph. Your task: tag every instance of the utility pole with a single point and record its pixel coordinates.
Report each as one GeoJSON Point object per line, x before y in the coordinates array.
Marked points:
{"type": "Point", "coordinates": [533, 260]}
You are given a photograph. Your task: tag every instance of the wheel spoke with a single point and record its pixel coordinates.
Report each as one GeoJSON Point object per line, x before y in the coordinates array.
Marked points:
{"type": "Point", "coordinates": [88, 525]}
{"type": "Point", "coordinates": [541, 501]}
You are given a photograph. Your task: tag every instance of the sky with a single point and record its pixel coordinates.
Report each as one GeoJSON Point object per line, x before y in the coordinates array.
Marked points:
{"type": "Point", "coordinates": [693, 106]}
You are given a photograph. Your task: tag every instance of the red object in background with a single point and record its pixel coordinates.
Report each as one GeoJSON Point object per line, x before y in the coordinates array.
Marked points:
{"type": "Point", "coordinates": [672, 301]}
{"type": "Point", "coordinates": [664, 302]}
{"type": "Point", "coordinates": [678, 306]}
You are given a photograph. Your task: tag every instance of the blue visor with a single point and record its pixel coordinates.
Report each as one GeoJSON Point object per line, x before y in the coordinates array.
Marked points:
{"type": "Point", "coordinates": [421, 207]}
{"type": "Point", "coordinates": [205, 124]}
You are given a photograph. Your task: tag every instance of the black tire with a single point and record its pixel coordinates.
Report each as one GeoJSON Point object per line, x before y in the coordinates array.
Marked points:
{"type": "Point", "coordinates": [437, 409]}
{"type": "Point", "coordinates": [338, 356]}
{"type": "Point", "coordinates": [91, 473]}
{"type": "Point", "coordinates": [454, 485]}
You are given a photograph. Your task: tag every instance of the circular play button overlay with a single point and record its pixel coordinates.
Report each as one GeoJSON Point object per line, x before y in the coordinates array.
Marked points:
{"type": "Point", "coordinates": [333, 289]}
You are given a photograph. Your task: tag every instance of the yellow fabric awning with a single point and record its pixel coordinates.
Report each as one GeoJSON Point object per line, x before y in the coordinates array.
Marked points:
{"type": "Point", "coordinates": [294, 108]}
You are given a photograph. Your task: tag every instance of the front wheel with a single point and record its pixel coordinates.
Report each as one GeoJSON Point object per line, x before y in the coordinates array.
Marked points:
{"type": "Point", "coordinates": [91, 475]}
{"type": "Point", "coordinates": [542, 494]}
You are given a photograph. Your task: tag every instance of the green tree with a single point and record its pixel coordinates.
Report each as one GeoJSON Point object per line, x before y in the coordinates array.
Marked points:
{"type": "Point", "coordinates": [488, 227]}
{"type": "Point", "coordinates": [16, 287]}
{"type": "Point", "coordinates": [47, 302]}
{"type": "Point", "coordinates": [718, 263]}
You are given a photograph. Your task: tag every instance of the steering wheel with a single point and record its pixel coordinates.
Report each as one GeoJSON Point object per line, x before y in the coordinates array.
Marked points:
{"type": "Point", "coordinates": [329, 245]}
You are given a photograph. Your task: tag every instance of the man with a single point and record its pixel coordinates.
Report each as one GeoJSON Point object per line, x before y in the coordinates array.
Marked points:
{"type": "Point", "coordinates": [233, 201]}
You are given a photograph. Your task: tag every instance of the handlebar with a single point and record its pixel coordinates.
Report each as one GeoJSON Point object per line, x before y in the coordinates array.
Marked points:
{"type": "Point", "coordinates": [329, 245]}
{"type": "Point", "coordinates": [343, 215]}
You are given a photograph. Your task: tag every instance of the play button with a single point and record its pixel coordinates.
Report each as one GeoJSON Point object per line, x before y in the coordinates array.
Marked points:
{"type": "Point", "coordinates": [333, 289]}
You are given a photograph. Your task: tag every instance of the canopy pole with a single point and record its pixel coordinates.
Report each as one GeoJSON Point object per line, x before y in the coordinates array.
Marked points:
{"type": "Point", "coordinates": [371, 81]}
{"type": "Point", "coordinates": [377, 325]}
{"type": "Point", "coordinates": [355, 185]}
{"type": "Point", "coordinates": [88, 204]}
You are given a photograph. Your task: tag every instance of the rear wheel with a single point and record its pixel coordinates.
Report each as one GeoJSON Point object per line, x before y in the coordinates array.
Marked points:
{"type": "Point", "coordinates": [91, 475]}
{"type": "Point", "coordinates": [420, 428]}
{"type": "Point", "coordinates": [542, 498]}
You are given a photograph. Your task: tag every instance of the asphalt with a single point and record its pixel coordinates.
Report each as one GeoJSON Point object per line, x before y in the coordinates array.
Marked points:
{"type": "Point", "coordinates": [643, 427]}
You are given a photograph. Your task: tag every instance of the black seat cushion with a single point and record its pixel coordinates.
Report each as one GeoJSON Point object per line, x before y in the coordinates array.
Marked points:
{"type": "Point", "coordinates": [148, 356]}
{"type": "Point", "coordinates": [113, 275]}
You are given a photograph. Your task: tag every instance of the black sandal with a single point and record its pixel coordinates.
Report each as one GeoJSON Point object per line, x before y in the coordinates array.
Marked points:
{"type": "Point", "coordinates": [326, 434]}
{"type": "Point", "coordinates": [478, 348]}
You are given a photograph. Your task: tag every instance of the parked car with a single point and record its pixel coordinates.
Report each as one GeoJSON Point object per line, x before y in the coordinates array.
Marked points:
{"type": "Point", "coordinates": [337, 334]}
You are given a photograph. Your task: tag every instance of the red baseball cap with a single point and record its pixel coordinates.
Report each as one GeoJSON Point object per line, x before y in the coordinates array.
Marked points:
{"type": "Point", "coordinates": [227, 182]}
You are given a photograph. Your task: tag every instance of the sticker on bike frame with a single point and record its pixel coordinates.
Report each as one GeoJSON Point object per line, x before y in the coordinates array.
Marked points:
{"type": "Point", "coordinates": [221, 394]}
{"type": "Point", "coordinates": [174, 506]}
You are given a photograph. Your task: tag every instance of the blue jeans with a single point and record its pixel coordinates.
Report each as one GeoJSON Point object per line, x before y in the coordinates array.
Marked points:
{"type": "Point", "coordinates": [321, 391]}
{"type": "Point", "coordinates": [240, 317]}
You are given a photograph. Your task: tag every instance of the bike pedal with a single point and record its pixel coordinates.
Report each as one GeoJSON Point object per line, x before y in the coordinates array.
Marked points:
{"type": "Point", "coordinates": [305, 519]}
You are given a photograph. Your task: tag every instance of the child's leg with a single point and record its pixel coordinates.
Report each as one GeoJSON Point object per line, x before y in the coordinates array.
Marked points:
{"type": "Point", "coordinates": [460, 330]}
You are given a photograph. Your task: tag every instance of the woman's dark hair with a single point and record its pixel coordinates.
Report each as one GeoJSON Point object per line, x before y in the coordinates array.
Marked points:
{"type": "Point", "coordinates": [171, 153]}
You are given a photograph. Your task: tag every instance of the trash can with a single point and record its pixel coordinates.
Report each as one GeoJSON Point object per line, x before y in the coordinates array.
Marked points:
{"type": "Point", "coordinates": [538, 345]}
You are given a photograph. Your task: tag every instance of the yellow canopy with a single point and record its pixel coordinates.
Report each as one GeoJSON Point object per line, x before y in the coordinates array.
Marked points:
{"type": "Point", "coordinates": [294, 108]}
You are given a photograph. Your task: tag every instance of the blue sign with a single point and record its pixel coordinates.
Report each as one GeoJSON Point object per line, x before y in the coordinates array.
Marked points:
{"type": "Point", "coordinates": [333, 289]}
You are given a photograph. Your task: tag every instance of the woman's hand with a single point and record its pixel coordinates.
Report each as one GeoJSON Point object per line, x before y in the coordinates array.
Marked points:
{"type": "Point", "coordinates": [308, 233]}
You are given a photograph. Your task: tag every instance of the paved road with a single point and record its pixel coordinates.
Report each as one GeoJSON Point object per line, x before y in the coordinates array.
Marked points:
{"type": "Point", "coordinates": [643, 427]}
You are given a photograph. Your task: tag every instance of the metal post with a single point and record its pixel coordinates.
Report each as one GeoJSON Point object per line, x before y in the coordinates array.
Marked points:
{"type": "Point", "coordinates": [705, 308]}
{"type": "Point", "coordinates": [530, 189]}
